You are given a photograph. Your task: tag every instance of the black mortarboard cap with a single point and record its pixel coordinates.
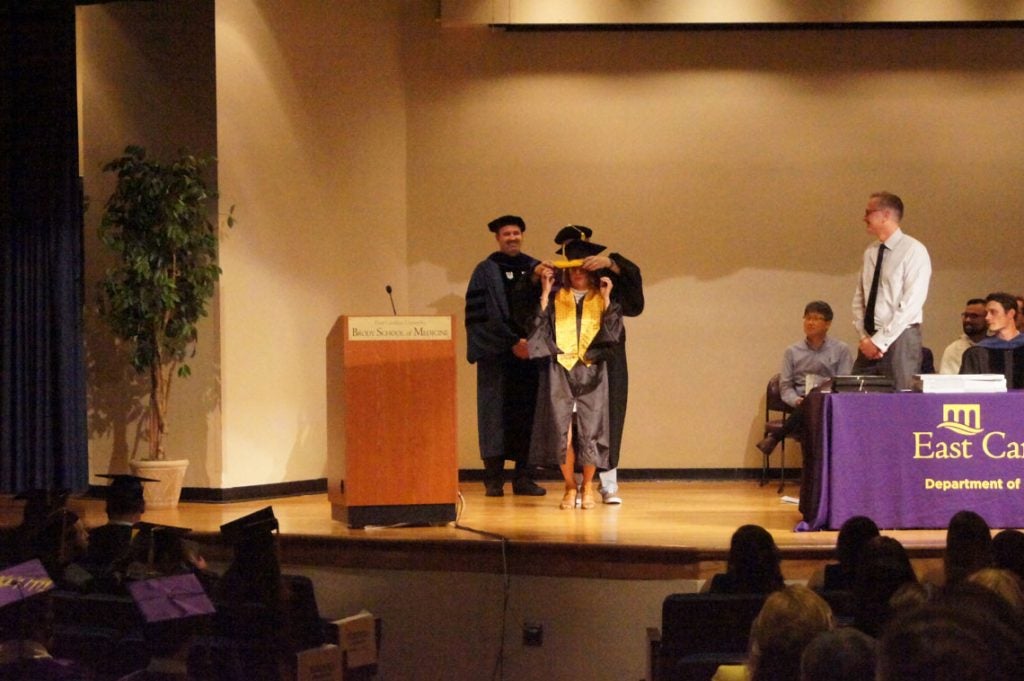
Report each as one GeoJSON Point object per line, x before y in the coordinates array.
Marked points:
{"type": "Point", "coordinates": [261, 523]}
{"type": "Point", "coordinates": [124, 485]}
{"type": "Point", "coordinates": [497, 223]}
{"type": "Point", "coordinates": [160, 541]}
{"type": "Point", "coordinates": [170, 598]}
{"type": "Point", "coordinates": [41, 503]}
{"type": "Point", "coordinates": [574, 251]}
{"type": "Point", "coordinates": [571, 232]}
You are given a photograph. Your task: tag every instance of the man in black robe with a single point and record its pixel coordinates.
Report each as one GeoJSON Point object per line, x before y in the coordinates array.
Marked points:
{"type": "Point", "coordinates": [110, 544]}
{"type": "Point", "coordinates": [628, 292]}
{"type": "Point", "coordinates": [1002, 352]}
{"type": "Point", "coordinates": [500, 302]}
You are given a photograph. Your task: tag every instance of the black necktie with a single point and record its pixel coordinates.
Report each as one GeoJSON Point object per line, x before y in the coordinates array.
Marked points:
{"type": "Point", "coordinates": [869, 311]}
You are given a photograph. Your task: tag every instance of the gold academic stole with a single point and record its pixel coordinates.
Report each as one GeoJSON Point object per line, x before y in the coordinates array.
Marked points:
{"type": "Point", "coordinates": [574, 350]}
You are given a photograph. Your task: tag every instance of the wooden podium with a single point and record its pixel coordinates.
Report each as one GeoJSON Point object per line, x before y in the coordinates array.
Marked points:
{"type": "Point", "coordinates": [391, 419]}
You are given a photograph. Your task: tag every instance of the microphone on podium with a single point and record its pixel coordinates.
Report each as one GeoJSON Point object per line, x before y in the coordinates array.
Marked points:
{"type": "Point", "coordinates": [387, 287]}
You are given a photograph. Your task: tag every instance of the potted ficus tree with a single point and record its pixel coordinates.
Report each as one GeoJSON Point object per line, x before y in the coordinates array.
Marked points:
{"type": "Point", "coordinates": [157, 225]}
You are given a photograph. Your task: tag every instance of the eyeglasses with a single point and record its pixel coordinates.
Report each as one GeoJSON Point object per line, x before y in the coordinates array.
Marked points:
{"type": "Point", "coordinates": [814, 318]}
{"type": "Point", "coordinates": [869, 211]}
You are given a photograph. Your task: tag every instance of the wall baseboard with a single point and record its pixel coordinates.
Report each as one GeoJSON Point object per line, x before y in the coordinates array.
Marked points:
{"type": "Point", "coordinates": [212, 495]}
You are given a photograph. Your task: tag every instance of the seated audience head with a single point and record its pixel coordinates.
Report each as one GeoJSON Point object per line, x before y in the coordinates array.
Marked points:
{"type": "Point", "coordinates": [125, 500]}
{"type": "Point", "coordinates": [968, 546]}
{"type": "Point", "coordinates": [1008, 551]}
{"type": "Point", "coordinates": [883, 568]}
{"type": "Point", "coordinates": [819, 307]}
{"type": "Point", "coordinates": [972, 319]}
{"type": "Point", "coordinates": [1004, 583]}
{"type": "Point", "coordinates": [788, 622]}
{"type": "Point", "coordinates": [754, 561]}
{"type": "Point", "coordinates": [966, 633]}
{"type": "Point", "coordinates": [817, 319]}
{"type": "Point", "coordinates": [853, 535]}
{"type": "Point", "coordinates": [845, 654]}
{"type": "Point", "coordinates": [1001, 314]}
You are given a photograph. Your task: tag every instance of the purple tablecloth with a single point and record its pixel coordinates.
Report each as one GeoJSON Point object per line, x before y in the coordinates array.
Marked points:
{"type": "Point", "coordinates": [911, 460]}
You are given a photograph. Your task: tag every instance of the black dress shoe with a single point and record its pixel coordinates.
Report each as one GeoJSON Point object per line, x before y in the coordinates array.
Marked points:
{"type": "Point", "coordinates": [494, 489]}
{"type": "Point", "coordinates": [527, 487]}
{"type": "Point", "coordinates": [767, 445]}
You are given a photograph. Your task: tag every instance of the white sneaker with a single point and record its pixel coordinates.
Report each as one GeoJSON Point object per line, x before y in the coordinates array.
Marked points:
{"type": "Point", "coordinates": [611, 498]}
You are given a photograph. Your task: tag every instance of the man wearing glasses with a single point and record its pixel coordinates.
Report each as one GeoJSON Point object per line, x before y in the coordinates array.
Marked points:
{"type": "Point", "coordinates": [806, 365]}
{"type": "Point", "coordinates": [889, 299]}
{"type": "Point", "coordinates": [973, 321]}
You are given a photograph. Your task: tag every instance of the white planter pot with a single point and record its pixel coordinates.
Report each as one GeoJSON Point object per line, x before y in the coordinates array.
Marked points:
{"type": "Point", "coordinates": [169, 476]}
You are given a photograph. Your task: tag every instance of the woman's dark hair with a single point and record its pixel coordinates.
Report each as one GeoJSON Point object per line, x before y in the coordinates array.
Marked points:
{"type": "Point", "coordinates": [968, 546]}
{"type": "Point", "coordinates": [1008, 551]}
{"type": "Point", "coordinates": [853, 535]}
{"type": "Point", "coordinates": [883, 568]}
{"type": "Point", "coordinates": [754, 561]}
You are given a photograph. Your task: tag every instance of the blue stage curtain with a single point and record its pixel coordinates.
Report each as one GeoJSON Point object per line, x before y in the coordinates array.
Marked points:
{"type": "Point", "coordinates": [43, 439]}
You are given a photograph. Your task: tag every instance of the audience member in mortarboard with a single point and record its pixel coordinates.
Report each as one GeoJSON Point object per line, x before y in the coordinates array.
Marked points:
{"type": "Point", "coordinates": [40, 504]}
{"type": "Point", "coordinates": [628, 292]}
{"type": "Point", "coordinates": [254, 578]}
{"type": "Point", "coordinates": [48, 531]}
{"type": "Point", "coordinates": [500, 302]}
{"type": "Point", "coordinates": [110, 544]}
{"type": "Point", "coordinates": [25, 627]}
{"type": "Point", "coordinates": [162, 550]}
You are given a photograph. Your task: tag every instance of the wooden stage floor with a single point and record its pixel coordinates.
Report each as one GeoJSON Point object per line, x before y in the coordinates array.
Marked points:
{"type": "Point", "coordinates": [663, 530]}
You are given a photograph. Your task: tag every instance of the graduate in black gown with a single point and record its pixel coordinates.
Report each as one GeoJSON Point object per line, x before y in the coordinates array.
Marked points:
{"type": "Point", "coordinates": [574, 328]}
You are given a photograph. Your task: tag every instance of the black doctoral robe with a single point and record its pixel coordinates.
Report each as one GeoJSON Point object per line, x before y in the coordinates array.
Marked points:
{"type": "Point", "coordinates": [1008, 361]}
{"type": "Point", "coordinates": [499, 303]}
{"type": "Point", "coordinates": [628, 292]}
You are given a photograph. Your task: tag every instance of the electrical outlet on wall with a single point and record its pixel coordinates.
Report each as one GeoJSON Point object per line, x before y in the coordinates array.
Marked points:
{"type": "Point", "coordinates": [533, 634]}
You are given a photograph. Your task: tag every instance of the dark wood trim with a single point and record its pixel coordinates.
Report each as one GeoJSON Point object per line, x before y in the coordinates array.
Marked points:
{"type": "Point", "coordinates": [213, 495]}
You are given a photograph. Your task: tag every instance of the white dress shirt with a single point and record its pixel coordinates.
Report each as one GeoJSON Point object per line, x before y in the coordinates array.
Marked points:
{"type": "Point", "coordinates": [902, 288]}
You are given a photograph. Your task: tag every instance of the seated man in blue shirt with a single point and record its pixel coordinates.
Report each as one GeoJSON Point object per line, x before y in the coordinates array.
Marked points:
{"type": "Point", "coordinates": [807, 364]}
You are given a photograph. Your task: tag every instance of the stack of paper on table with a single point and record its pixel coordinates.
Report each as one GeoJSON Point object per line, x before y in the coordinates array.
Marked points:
{"type": "Point", "coordinates": [960, 383]}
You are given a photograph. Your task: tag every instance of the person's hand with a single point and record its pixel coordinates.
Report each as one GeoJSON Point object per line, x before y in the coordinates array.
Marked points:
{"type": "Point", "coordinates": [542, 269]}
{"type": "Point", "coordinates": [592, 263]}
{"type": "Point", "coordinates": [547, 282]}
{"type": "Point", "coordinates": [521, 350]}
{"type": "Point", "coordinates": [869, 349]}
{"type": "Point", "coordinates": [606, 290]}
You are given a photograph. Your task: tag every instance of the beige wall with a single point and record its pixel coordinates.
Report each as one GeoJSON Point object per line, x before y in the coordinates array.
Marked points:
{"type": "Point", "coordinates": [366, 145]}
{"type": "Point", "coordinates": [146, 77]}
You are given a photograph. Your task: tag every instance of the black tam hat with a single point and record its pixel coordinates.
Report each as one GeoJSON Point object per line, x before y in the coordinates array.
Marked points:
{"type": "Point", "coordinates": [571, 232]}
{"type": "Point", "coordinates": [505, 220]}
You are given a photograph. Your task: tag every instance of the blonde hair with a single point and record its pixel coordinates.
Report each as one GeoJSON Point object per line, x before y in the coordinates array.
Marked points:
{"type": "Point", "coordinates": [788, 621]}
{"type": "Point", "coordinates": [1003, 582]}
